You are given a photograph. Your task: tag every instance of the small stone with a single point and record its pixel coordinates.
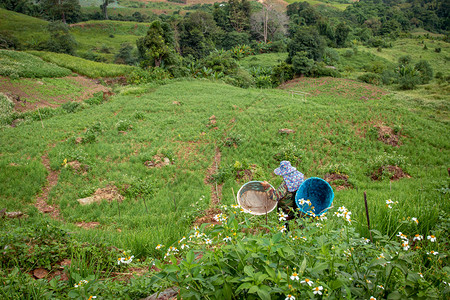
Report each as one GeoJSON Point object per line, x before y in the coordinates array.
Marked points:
{"type": "Point", "coordinates": [40, 273]}
{"type": "Point", "coordinates": [286, 131]}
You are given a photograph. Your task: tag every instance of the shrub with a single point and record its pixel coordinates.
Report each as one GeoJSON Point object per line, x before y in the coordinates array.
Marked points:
{"type": "Point", "coordinates": [96, 99]}
{"type": "Point", "coordinates": [323, 254]}
{"type": "Point", "coordinates": [302, 64]}
{"type": "Point", "coordinates": [124, 125]}
{"type": "Point", "coordinates": [71, 107]}
{"type": "Point", "coordinates": [408, 77]}
{"type": "Point", "coordinates": [320, 69]}
{"type": "Point", "coordinates": [263, 82]}
{"type": "Point", "coordinates": [371, 78]}
{"type": "Point", "coordinates": [375, 67]}
{"type": "Point", "coordinates": [125, 55]}
{"type": "Point", "coordinates": [425, 71]}
{"type": "Point", "coordinates": [61, 40]}
{"type": "Point", "coordinates": [282, 73]}
{"type": "Point", "coordinates": [151, 74]}
{"type": "Point", "coordinates": [8, 41]}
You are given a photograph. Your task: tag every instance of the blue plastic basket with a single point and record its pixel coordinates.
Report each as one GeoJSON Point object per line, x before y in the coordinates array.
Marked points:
{"type": "Point", "coordinates": [319, 192]}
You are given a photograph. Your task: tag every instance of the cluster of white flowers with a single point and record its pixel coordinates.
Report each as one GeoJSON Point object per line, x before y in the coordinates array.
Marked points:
{"type": "Point", "coordinates": [432, 238]}
{"type": "Point", "coordinates": [282, 216]}
{"type": "Point", "coordinates": [170, 251]}
{"type": "Point", "coordinates": [81, 283]}
{"type": "Point", "coordinates": [282, 228]}
{"type": "Point", "coordinates": [347, 253]}
{"type": "Point", "coordinates": [220, 218]}
{"type": "Point", "coordinates": [344, 213]}
{"type": "Point", "coordinates": [405, 241]}
{"type": "Point", "coordinates": [125, 260]}
{"type": "Point", "coordinates": [389, 203]}
{"type": "Point", "coordinates": [294, 276]}
{"type": "Point", "coordinates": [418, 237]}
{"type": "Point", "coordinates": [303, 201]}
{"type": "Point", "coordinates": [317, 290]}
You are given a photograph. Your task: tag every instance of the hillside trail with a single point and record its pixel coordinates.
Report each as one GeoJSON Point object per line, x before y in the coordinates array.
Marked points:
{"type": "Point", "coordinates": [42, 197]}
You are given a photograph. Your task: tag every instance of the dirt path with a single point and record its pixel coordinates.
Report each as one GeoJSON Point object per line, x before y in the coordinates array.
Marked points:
{"type": "Point", "coordinates": [41, 199]}
{"type": "Point", "coordinates": [216, 189]}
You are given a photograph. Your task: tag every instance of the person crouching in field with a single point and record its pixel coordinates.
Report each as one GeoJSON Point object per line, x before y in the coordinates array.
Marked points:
{"type": "Point", "coordinates": [285, 193]}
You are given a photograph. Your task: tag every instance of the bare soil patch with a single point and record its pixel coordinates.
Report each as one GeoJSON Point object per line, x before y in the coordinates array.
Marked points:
{"type": "Point", "coordinates": [208, 217]}
{"type": "Point", "coordinates": [395, 173]}
{"type": "Point", "coordinates": [87, 225]}
{"type": "Point", "coordinates": [41, 200]}
{"type": "Point", "coordinates": [32, 89]}
{"type": "Point", "coordinates": [338, 181]}
{"type": "Point", "coordinates": [216, 189]}
{"type": "Point", "coordinates": [386, 135]}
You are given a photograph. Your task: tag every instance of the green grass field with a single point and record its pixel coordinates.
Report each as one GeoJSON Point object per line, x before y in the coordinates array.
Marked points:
{"type": "Point", "coordinates": [19, 64]}
{"type": "Point", "coordinates": [336, 5]}
{"type": "Point", "coordinates": [331, 132]}
{"type": "Point", "coordinates": [27, 30]}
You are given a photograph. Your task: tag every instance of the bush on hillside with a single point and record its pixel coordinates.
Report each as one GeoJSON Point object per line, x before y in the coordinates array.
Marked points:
{"type": "Point", "coordinates": [61, 41]}
{"type": "Point", "coordinates": [301, 64]}
{"type": "Point", "coordinates": [8, 41]}
{"type": "Point", "coordinates": [141, 76]}
{"type": "Point", "coordinates": [282, 73]}
{"type": "Point", "coordinates": [425, 71]}
{"type": "Point", "coordinates": [320, 69]}
{"type": "Point", "coordinates": [371, 78]}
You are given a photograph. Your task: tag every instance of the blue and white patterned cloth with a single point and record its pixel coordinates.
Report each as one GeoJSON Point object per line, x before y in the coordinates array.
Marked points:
{"type": "Point", "coordinates": [291, 176]}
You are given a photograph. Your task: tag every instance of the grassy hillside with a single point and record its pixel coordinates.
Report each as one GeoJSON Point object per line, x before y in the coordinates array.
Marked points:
{"type": "Point", "coordinates": [27, 30]}
{"type": "Point", "coordinates": [334, 132]}
{"type": "Point", "coordinates": [104, 38]}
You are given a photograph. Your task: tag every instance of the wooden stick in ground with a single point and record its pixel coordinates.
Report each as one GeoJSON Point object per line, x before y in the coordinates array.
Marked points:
{"type": "Point", "coordinates": [367, 215]}
{"type": "Point", "coordinates": [118, 207]}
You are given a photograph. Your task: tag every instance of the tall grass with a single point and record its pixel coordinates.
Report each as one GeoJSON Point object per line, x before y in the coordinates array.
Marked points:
{"type": "Point", "coordinates": [82, 66]}
{"type": "Point", "coordinates": [329, 130]}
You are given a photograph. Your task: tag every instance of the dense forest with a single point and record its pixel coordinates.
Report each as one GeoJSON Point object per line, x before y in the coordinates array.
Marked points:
{"type": "Point", "coordinates": [212, 36]}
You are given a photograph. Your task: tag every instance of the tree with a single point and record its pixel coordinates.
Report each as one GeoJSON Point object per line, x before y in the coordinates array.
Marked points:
{"type": "Point", "coordinates": [104, 7]}
{"type": "Point", "coordinates": [301, 63]}
{"type": "Point", "coordinates": [268, 23]}
{"type": "Point", "coordinates": [64, 10]}
{"type": "Point", "coordinates": [61, 40]}
{"type": "Point", "coordinates": [341, 34]}
{"type": "Point", "coordinates": [239, 14]}
{"type": "Point", "coordinates": [158, 44]}
{"type": "Point", "coordinates": [307, 40]}
{"type": "Point", "coordinates": [198, 33]}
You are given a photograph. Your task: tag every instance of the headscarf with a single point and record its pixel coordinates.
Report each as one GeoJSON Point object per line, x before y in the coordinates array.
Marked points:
{"type": "Point", "coordinates": [291, 176]}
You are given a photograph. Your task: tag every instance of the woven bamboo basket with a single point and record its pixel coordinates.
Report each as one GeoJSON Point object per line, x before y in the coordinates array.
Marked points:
{"type": "Point", "coordinates": [252, 198]}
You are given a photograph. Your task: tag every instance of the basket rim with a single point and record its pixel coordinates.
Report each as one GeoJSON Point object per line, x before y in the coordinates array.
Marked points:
{"type": "Point", "coordinates": [324, 210]}
{"type": "Point", "coordinates": [249, 211]}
